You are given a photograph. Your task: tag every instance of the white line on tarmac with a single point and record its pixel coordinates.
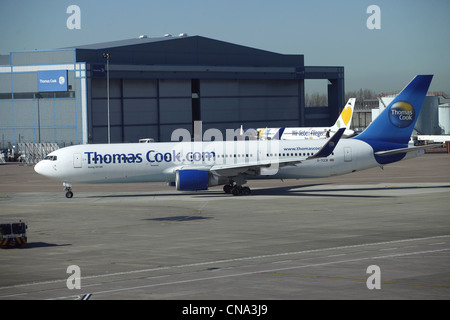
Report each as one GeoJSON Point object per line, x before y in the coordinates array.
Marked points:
{"type": "Point", "coordinates": [252, 272]}
{"type": "Point", "coordinates": [227, 260]}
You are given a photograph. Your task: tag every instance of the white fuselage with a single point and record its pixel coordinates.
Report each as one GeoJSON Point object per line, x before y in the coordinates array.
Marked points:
{"type": "Point", "coordinates": [198, 165]}
{"type": "Point", "coordinates": [150, 162]}
{"type": "Point", "coordinates": [311, 133]}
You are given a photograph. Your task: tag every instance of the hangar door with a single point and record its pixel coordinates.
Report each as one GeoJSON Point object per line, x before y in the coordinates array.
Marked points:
{"type": "Point", "coordinates": [140, 108]}
{"type": "Point", "coordinates": [255, 102]}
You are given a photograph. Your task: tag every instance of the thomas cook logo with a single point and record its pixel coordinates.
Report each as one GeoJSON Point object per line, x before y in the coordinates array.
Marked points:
{"type": "Point", "coordinates": [62, 80]}
{"type": "Point", "coordinates": [401, 114]}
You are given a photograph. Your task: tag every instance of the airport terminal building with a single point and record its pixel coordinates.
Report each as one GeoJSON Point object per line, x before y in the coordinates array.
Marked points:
{"type": "Point", "coordinates": [156, 85]}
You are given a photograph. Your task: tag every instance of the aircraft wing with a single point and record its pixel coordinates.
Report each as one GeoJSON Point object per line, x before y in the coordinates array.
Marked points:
{"type": "Point", "coordinates": [229, 170]}
{"type": "Point", "coordinates": [406, 150]}
{"type": "Point", "coordinates": [235, 169]}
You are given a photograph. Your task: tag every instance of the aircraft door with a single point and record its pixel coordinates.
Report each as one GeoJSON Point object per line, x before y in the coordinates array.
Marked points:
{"type": "Point", "coordinates": [77, 160]}
{"type": "Point", "coordinates": [347, 154]}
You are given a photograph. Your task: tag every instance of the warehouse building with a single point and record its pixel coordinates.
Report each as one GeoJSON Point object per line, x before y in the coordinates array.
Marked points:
{"type": "Point", "coordinates": [154, 86]}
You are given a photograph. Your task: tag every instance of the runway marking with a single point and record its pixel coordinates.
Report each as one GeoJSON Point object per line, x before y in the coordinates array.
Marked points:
{"type": "Point", "coordinates": [256, 273]}
{"type": "Point", "coordinates": [310, 277]}
{"type": "Point", "coordinates": [349, 279]}
{"type": "Point", "coordinates": [156, 277]}
{"type": "Point", "coordinates": [284, 261]}
{"type": "Point", "coordinates": [237, 259]}
{"type": "Point", "coordinates": [15, 295]}
{"type": "Point", "coordinates": [92, 285]}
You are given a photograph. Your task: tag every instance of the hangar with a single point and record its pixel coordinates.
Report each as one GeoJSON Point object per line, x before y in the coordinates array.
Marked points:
{"type": "Point", "coordinates": [148, 87]}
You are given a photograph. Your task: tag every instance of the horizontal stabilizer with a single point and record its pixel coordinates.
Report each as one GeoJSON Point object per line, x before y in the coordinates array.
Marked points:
{"type": "Point", "coordinates": [406, 150]}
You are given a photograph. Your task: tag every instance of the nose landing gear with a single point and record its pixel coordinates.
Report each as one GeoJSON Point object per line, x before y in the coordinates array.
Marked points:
{"type": "Point", "coordinates": [68, 189]}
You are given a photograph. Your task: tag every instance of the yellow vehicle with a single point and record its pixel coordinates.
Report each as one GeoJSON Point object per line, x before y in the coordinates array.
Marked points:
{"type": "Point", "coordinates": [13, 234]}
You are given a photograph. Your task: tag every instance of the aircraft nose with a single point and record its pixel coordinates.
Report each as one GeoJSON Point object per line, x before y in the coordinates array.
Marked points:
{"type": "Point", "coordinates": [47, 169]}
{"type": "Point", "coordinates": [38, 167]}
{"type": "Point", "coordinates": [42, 168]}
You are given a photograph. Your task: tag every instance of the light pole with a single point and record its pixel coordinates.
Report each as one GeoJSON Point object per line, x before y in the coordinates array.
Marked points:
{"type": "Point", "coordinates": [107, 56]}
{"type": "Point", "coordinates": [38, 96]}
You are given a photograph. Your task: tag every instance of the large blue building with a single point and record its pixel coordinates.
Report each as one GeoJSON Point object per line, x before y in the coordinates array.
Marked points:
{"type": "Point", "coordinates": [156, 85]}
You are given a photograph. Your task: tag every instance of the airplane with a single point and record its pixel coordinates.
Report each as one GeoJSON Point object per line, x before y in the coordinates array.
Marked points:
{"type": "Point", "coordinates": [197, 165]}
{"type": "Point", "coordinates": [344, 121]}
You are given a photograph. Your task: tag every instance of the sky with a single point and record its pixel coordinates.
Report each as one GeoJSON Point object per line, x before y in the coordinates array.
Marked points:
{"type": "Point", "coordinates": [413, 37]}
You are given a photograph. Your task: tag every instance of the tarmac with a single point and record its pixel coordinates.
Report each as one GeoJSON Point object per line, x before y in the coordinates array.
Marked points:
{"type": "Point", "coordinates": [376, 234]}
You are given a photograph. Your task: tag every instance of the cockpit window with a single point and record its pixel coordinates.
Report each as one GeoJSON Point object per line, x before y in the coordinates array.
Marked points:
{"type": "Point", "coordinates": [51, 158]}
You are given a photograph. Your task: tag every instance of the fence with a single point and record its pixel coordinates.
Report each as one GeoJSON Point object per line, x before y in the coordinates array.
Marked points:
{"type": "Point", "coordinates": [32, 153]}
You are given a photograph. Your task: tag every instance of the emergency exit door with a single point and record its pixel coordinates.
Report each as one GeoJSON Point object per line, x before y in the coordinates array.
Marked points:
{"type": "Point", "coordinates": [77, 160]}
{"type": "Point", "coordinates": [347, 154]}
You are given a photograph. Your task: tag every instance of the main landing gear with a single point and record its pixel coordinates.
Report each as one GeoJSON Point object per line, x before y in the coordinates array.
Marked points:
{"type": "Point", "coordinates": [68, 189]}
{"type": "Point", "coordinates": [236, 190]}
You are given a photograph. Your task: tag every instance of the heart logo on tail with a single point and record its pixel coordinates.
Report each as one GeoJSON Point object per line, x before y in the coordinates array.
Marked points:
{"type": "Point", "coordinates": [346, 115]}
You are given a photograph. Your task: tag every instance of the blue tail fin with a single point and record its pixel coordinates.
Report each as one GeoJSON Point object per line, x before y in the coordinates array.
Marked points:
{"type": "Point", "coordinates": [393, 127]}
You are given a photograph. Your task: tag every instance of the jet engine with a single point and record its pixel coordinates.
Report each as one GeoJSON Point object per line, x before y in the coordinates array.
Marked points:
{"type": "Point", "coordinates": [192, 180]}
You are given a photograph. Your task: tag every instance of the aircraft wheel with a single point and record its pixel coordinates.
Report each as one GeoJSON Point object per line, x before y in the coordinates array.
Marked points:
{"type": "Point", "coordinates": [236, 191]}
{"type": "Point", "coordinates": [246, 191]}
{"type": "Point", "coordinates": [227, 188]}
{"type": "Point", "coordinates": [69, 194]}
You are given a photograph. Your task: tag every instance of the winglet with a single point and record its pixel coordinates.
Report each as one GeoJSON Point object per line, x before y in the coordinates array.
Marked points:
{"type": "Point", "coordinates": [328, 147]}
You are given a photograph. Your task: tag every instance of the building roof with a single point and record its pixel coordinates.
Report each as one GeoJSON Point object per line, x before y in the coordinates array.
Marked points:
{"type": "Point", "coordinates": [120, 43]}
{"type": "Point", "coordinates": [184, 50]}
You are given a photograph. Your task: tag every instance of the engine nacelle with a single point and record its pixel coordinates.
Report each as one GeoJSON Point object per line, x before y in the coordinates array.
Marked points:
{"type": "Point", "coordinates": [191, 180]}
